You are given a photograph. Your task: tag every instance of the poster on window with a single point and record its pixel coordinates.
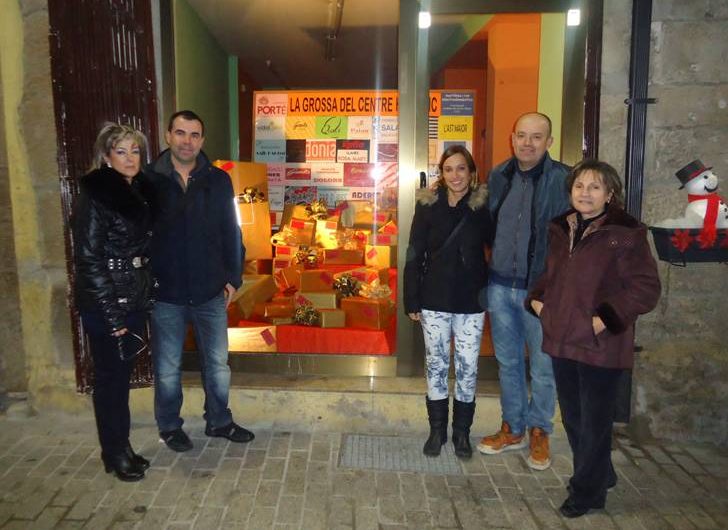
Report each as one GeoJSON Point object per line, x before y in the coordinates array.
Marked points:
{"type": "Point", "coordinates": [343, 145]}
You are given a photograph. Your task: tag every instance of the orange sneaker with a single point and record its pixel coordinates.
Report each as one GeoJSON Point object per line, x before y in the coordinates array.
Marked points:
{"type": "Point", "coordinates": [539, 456]}
{"type": "Point", "coordinates": [503, 440]}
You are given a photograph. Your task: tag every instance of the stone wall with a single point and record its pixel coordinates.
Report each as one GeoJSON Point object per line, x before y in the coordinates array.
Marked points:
{"type": "Point", "coordinates": [681, 378]}
{"type": "Point", "coordinates": [37, 226]}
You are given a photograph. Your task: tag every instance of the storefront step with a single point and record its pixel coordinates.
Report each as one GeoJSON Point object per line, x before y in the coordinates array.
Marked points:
{"type": "Point", "coordinates": [346, 404]}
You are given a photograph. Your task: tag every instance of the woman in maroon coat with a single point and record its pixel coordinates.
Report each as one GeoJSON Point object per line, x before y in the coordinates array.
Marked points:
{"type": "Point", "coordinates": [600, 275]}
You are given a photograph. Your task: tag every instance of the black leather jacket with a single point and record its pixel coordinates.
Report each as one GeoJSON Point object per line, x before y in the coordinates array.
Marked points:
{"type": "Point", "coordinates": [112, 226]}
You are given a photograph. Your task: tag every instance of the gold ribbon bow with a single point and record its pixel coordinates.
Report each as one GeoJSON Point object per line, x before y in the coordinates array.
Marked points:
{"type": "Point", "coordinates": [374, 290]}
{"type": "Point", "coordinates": [251, 194]}
{"type": "Point", "coordinates": [317, 210]}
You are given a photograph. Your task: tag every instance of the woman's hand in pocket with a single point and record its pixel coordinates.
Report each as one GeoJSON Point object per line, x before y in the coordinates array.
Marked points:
{"type": "Point", "coordinates": [414, 316]}
{"type": "Point", "coordinates": [598, 325]}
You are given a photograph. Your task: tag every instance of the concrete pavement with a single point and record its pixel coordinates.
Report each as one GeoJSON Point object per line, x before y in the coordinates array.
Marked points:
{"type": "Point", "coordinates": [51, 477]}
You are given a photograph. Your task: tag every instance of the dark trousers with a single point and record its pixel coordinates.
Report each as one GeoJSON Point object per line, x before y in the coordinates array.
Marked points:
{"type": "Point", "coordinates": [111, 381]}
{"type": "Point", "coordinates": [587, 398]}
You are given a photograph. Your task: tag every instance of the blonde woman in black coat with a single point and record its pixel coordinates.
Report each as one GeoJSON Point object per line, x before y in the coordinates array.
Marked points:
{"type": "Point", "coordinates": [443, 276]}
{"type": "Point", "coordinates": [111, 231]}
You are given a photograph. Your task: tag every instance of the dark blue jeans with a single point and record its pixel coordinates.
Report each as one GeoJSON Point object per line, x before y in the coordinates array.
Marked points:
{"type": "Point", "coordinates": [169, 322]}
{"type": "Point", "coordinates": [111, 380]}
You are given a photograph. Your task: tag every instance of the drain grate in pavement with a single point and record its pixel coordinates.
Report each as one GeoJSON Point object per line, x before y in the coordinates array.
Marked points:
{"type": "Point", "coordinates": [395, 453]}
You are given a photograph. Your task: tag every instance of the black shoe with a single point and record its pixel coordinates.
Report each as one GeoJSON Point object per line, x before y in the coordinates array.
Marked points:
{"type": "Point", "coordinates": [122, 467]}
{"type": "Point", "coordinates": [176, 440]}
{"type": "Point", "coordinates": [462, 419]}
{"type": "Point", "coordinates": [232, 431]}
{"type": "Point", "coordinates": [139, 460]}
{"type": "Point", "coordinates": [570, 510]}
{"type": "Point", "coordinates": [437, 412]}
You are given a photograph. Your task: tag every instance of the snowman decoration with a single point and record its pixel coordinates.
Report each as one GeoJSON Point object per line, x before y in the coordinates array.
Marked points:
{"type": "Point", "coordinates": [706, 209]}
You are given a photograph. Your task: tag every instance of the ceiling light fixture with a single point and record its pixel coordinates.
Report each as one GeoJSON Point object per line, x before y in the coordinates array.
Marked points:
{"type": "Point", "coordinates": [573, 17]}
{"type": "Point", "coordinates": [425, 20]}
{"type": "Point", "coordinates": [334, 29]}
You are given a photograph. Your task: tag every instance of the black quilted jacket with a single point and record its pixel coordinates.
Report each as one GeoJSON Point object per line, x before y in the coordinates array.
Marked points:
{"type": "Point", "coordinates": [112, 220]}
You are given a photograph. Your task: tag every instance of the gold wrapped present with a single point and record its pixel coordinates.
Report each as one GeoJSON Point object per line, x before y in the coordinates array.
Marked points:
{"type": "Point", "coordinates": [368, 274]}
{"type": "Point", "coordinates": [255, 288]}
{"type": "Point", "coordinates": [289, 278]}
{"type": "Point", "coordinates": [378, 238]}
{"type": "Point", "coordinates": [245, 175]}
{"type": "Point", "coordinates": [280, 263]}
{"type": "Point", "coordinates": [367, 313]}
{"type": "Point", "coordinates": [340, 256]}
{"type": "Point", "coordinates": [291, 211]}
{"type": "Point", "coordinates": [280, 321]}
{"type": "Point", "coordinates": [254, 220]}
{"type": "Point", "coordinates": [380, 256]}
{"type": "Point", "coordinates": [302, 231]}
{"type": "Point", "coordinates": [252, 338]}
{"type": "Point", "coordinates": [319, 300]}
{"type": "Point", "coordinates": [326, 232]}
{"type": "Point", "coordinates": [332, 318]}
{"type": "Point", "coordinates": [315, 280]}
{"type": "Point", "coordinates": [286, 251]}
{"type": "Point", "coordinates": [274, 309]}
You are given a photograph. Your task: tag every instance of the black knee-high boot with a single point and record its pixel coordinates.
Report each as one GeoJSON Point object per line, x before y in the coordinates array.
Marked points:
{"type": "Point", "coordinates": [437, 412]}
{"type": "Point", "coordinates": [462, 419]}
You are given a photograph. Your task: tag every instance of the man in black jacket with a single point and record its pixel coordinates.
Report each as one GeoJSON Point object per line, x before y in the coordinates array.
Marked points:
{"type": "Point", "coordinates": [197, 257]}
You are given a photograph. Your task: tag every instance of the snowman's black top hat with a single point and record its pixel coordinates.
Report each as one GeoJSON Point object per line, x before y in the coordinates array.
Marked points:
{"type": "Point", "coordinates": [689, 172]}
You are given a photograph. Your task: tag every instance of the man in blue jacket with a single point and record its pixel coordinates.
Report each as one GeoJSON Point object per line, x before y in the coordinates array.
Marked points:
{"type": "Point", "coordinates": [197, 258]}
{"type": "Point", "coordinates": [525, 193]}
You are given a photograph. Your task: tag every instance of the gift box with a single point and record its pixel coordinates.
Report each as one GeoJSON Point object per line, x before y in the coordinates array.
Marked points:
{"type": "Point", "coordinates": [368, 313]}
{"type": "Point", "coordinates": [389, 228]}
{"type": "Point", "coordinates": [380, 256]}
{"type": "Point", "coordinates": [280, 263]}
{"type": "Point", "coordinates": [245, 175]}
{"type": "Point", "coordinates": [289, 278]}
{"type": "Point", "coordinates": [252, 337]}
{"type": "Point", "coordinates": [302, 231]}
{"type": "Point", "coordinates": [258, 266]}
{"type": "Point", "coordinates": [254, 220]}
{"type": "Point", "coordinates": [255, 288]}
{"type": "Point", "coordinates": [274, 309]}
{"type": "Point", "coordinates": [286, 251]}
{"type": "Point", "coordinates": [280, 321]}
{"type": "Point", "coordinates": [291, 211]}
{"type": "Point", "coordinates": [363, 214]}
{"type": "Point", "coordinates": [326, 230]}
{"type": "Point", "coordinates": [315, 280]}
{"type": "Point", "coordinates": [369, 274]}
{"type": "Point", "coordinates": [378, 238]}
{"type": "Point", "coordinates": [332, 318]}
{"type": "Point", "coordinates": [340, 256]}
{"type": "Point", "coordinates": [319, 300]}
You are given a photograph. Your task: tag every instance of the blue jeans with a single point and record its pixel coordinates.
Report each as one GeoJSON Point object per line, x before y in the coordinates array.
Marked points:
{"type": "Point", "coordinates": [439, 329]}
{"type": "Point", "coordinates": [169, 322]}
{"type": "Point", "coordinates": [512, 327]}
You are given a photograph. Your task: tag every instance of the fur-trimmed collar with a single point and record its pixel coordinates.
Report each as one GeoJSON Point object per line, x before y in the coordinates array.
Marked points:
{"type": "Point", "coordinates": [110, 188]}
{"type": "Point", "coordinates": [476, 198]}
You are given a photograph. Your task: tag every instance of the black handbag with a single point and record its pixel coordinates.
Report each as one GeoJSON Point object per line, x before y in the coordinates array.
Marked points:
{"type": "Point", "coordinates": [130, 345]}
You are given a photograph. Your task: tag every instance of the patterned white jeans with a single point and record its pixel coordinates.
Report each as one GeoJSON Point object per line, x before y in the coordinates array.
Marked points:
{"type": "Point", "coordinates": [439, 329]}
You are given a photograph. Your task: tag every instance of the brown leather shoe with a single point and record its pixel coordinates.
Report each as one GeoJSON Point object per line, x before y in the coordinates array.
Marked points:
{"type": "Point", "coordinates": [539, 456]}
{"type": "Point", "coordinates": [503, 440]}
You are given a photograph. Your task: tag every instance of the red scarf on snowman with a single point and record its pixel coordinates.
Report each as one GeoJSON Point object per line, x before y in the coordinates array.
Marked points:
{"type": "Point", "coordinates": [708, 233]}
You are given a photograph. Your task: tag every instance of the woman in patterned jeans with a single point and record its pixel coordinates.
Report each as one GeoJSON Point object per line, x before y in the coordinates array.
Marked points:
{"type": "Point", "coordinates": [443, 277]}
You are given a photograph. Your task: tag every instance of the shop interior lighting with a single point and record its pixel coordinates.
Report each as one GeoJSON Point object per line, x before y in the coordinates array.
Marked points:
{"type": "Point", "coordinates": [334, 29]}
{"type": "Point", "coordinates": [425, 20]}
{"type": "Point", "coordinates": [573, 17]}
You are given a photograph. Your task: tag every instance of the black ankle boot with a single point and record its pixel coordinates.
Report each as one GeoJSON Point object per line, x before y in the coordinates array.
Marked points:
{"type": "Point", "coordinates": [437, 412]}
{"type": "Point", "coordinates": [462, 419]}
{"type": "Point", "coordinates": [123, 467]}
{"type": "Point", "coordinates": [139, 460]}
